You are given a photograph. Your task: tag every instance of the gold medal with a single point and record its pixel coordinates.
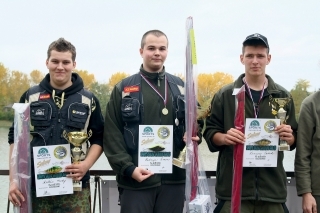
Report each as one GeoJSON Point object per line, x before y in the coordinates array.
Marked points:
{"type": "Point", "coordinates": [165, 111]}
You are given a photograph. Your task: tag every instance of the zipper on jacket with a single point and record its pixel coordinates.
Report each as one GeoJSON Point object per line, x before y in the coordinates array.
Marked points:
{"type": "Point", "coordinates": [59, 115]}
{"type": "Point", "coordinates": [160, 110]}
{"type": "Point", "coordinates": [257, 193]}
{"type": "Point", "coordinates": [131, 134]}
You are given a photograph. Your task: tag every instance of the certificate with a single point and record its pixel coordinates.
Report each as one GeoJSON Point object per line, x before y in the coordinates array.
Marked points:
{"type": "Point", "coordinates": [155, 148]}
{"type": "Point", "coordinates": [261, 146]}
{"type": "Point", "coordinates": [49, 165]}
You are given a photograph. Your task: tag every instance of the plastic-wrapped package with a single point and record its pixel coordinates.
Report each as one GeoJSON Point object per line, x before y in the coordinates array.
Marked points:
{"type": "Point", "coordinates": [239, 123]}
{"type": "Point", "coordinates": [20, 162]}
{"type": "Point", "coordinates": [197, 191]}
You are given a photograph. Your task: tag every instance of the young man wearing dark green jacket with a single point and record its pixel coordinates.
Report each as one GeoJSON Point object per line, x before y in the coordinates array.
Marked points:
{"type": "Point", "coordinates": [263, 188]}
{"type": "Point", "coordinates": [150, 97]}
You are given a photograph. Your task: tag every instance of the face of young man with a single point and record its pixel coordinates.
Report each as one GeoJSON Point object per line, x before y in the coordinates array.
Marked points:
{"type": "Point", "coordinates": [255, 60]}
{"type": "Point", "coordinates": [154, 53]}
{"type": "Point", "coordinates": [60, 66]}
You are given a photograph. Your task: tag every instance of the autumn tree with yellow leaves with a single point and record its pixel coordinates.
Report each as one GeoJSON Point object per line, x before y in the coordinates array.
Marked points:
{"type": "Point", "coordinates": [14, 83]}
{"type": "Point", "coordinates": [209, 84]}
{"type": "Point", "coordinates": [87, 78]}
{"type": "Point", "coordinates": [115, 78]}
{"type": "Point", "coordinates": [36, 77]}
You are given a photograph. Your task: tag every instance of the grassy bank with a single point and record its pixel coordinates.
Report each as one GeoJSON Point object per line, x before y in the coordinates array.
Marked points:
{"type": "Point", "coordinates": [4, 123]}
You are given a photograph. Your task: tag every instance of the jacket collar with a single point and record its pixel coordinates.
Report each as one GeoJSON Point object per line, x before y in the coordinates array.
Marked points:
{"type": "Point", "coordinates": [272, 86]}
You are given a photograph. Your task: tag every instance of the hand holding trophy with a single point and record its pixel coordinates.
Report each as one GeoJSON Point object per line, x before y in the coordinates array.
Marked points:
{"type": "Point", "coordinates": [282, 115]}
{"type": "Point", "coordinates": [77, 139]}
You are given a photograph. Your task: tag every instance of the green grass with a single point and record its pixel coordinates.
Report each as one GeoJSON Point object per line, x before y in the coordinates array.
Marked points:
{"type": "Point", "coordinates": [4, 123]}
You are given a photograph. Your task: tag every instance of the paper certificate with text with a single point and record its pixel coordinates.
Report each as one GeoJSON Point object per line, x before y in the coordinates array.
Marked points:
{"type": "Point", "coordinates": [155, 148]}
{"type": "Point", "coordinates": [49, 164]}
{"type": "Point", "coordinates": [261, 146]}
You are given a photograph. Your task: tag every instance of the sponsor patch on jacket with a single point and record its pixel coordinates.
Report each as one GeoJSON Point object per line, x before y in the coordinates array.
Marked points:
{"type": "Point", "coordinates": [44, 96]}
{"type": "Point", "coordinates": [39, 112]}
{"type": "Point", "coordinates": [78, 112]}
{"type": "Point", "coordinates": [131, 89]}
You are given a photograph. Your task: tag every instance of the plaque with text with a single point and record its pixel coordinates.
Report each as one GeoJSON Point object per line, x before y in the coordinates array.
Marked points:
{"type": "Point", "coordinates": [155, 148]}
{"type": "Point", "coordinates": [49, 165]}
{"type": "Point", "coordinates": [261, 146]}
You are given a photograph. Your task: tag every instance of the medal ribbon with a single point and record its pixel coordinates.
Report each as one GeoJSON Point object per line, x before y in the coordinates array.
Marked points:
{"type": "Point", "coordinates": [155, 89]}
{"type": "Point", "coordinates": [261, 95]}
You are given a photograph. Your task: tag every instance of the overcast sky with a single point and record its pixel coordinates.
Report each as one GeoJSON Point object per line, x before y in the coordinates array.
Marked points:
{"type": "Point", "coordinates": [107, 34]}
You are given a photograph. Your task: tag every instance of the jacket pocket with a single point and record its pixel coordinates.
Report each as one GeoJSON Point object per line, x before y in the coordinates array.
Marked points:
{"type": "Point", "coordinates": [40, 113]}
{"type": "Point", "coordinates": [77, 115]}
{"type": "Point", "coordinates": [130, 108]}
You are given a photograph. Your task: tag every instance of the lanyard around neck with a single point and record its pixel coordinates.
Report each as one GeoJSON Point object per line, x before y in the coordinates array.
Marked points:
{"type": "Point", "coordinates": [157, 91]}
{"type": "Point", "coordinates": [255, 109]}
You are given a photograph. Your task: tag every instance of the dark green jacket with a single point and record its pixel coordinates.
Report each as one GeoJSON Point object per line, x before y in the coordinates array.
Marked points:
{"type": "Point", "coordinates": [307, 160]}
{"type": "Point", "coordinates": [263, 183]}
{"type": "Point", "coordinates": [121, 160]}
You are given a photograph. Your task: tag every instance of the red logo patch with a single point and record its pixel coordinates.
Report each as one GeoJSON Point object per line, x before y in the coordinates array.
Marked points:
{"type": "Point", "coordinates": [44, 96]}
{"type": "Point", "coordinates": [131, 89]}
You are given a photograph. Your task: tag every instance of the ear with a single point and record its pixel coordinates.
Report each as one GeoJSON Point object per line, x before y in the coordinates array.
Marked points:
{"type": "Point", "coordinates": [268, 58]}
{"type": "Point", "coordinates": [74, 64]}
{"type": "Point", "coordinates": [47, 62]}
{"type": "Point", "coordinates": [241, 59]}
{"type": "Point", "coordinates": [141, 51]}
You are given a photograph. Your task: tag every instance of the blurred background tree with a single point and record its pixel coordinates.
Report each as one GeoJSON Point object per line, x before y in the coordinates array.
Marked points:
{"type": "Point", "coordinates": [14, 83]}
{"type": "Point", "coordinates": [209, 84]}
{"type": "Point", "coordinates": [299, 93]}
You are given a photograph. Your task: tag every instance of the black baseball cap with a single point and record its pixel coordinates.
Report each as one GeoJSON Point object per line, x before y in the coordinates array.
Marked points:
{"type": "Point", "coordinates": [257, 36]}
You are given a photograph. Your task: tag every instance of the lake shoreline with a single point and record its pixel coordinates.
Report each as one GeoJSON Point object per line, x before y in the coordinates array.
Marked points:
{"type": "Point", "coordinates": [5, 123]}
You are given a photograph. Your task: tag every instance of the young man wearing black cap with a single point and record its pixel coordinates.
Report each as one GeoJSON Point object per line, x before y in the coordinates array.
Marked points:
{"type": "Point", "coordinates": [263, 188]}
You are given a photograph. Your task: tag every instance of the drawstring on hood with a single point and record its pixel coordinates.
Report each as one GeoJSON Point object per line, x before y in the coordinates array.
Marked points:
{"type": "Point", "coordinates": [57, 100]}
{"type": "Point", "coordinates": [60, 96]}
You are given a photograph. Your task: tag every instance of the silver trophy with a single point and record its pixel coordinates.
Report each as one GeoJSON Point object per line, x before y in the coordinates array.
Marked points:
{"type": "Point", "coordinates": [282, 115]}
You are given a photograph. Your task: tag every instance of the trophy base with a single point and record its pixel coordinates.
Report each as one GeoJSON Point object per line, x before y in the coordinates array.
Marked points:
{"type": "Point", "coordinates": [77, 186]}
{"type": "Point", "coordinates": [178, 163]}
{"type": "Point", "coordinates": [284, 148]}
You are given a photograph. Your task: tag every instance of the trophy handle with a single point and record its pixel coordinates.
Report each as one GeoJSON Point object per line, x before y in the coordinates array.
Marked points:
{"type": "Point", "coordinates": [89, 134]}
{"type": "Point", "coordinates": [65, 135]}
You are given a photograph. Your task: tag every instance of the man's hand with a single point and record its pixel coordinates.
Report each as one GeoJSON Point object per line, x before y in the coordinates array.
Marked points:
{"type": "Point", "coordinates": [15, 195]}
{"type": "Point", "coordinates": [232, 137]}
{"type": "Point", "coordinates": [309, 204]}
{"type": "Point", "coordinates": [140, 174]}
{"type": "Point", "coordinates": [285, 133]}
{"type": "Point", "coordinates": [77, 170]}
{"type": "Point", "coordinates": [195, 139]}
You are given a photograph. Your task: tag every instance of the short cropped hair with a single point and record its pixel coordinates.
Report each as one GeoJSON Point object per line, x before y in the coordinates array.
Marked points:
{"type": "Point", "coordinates": [156, 33]}
{"type": "Point", "coordinates": [62, 45]}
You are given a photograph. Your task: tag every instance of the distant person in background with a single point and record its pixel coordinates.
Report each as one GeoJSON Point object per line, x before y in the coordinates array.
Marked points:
{"type": "Point", "coordinates": [65, 106]}
{"type": "Point", "coordinates": [307, 160]}
{"type": "Point", "coordinates": [263, 188]}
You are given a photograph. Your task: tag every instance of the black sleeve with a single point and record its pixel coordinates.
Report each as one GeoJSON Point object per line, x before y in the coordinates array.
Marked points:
{"type": "Point", "coordinates": [96, 123]}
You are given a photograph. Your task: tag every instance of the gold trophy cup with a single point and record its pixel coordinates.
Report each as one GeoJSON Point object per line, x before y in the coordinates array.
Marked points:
{"type": "Point", "coordinates": [77, 139]}
{"type": "Point", "coordinates": [181, 160]}
{"type": "Point", "coordinates": [282, 115]}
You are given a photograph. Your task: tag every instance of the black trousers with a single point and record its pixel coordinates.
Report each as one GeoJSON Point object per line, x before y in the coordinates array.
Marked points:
{"type": "Point", "coordinates": [161, 199]}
